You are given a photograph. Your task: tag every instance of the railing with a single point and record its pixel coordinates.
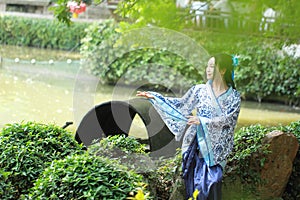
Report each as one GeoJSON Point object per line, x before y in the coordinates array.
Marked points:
{"type": "Point", "coordinates": [215, 20]}
{"type": "Point", "coordinates": [236, 23]}
{"type": "Point", "coordinates": [112, 4]}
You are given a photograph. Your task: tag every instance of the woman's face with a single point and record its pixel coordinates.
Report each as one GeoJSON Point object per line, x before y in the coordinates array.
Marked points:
{"type": "Point", "coordinates": [210, 68]}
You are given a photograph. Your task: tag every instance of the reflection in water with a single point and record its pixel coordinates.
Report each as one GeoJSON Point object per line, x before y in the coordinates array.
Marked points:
{"type": "Point", "coordinates": [49, 99]}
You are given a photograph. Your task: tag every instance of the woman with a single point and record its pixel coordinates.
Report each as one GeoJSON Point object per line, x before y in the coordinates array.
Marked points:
{"type": "Point", "coordinates": [209, 138]}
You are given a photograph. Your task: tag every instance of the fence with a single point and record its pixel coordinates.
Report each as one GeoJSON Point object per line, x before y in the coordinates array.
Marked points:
{"type": "Point", "coordinates": [214, 20]}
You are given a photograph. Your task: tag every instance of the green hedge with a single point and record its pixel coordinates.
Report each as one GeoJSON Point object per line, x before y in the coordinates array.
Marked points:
{"type": "Point", "coordinates": [41, 33]}
{"type": "Point", "coordinates": [26, 149]}
{"type": "Point", "coordinates": [85, 177]}
{"type": "Point", "coordinates": [39, 161]}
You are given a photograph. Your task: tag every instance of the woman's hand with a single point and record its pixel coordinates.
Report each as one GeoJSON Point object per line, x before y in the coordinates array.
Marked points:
{"type": "Point", "coordinates": [193, 120]}
{"type": "Point", "coordinates": [144, 94]}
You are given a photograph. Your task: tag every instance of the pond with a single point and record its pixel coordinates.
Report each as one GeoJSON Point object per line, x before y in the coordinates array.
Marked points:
{"type": "Point", "coordinates": [45, 90]}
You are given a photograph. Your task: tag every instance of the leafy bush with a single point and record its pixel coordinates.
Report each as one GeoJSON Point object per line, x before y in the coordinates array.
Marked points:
{"type": "Point", "coordinates": [85, 177]}
{"type": "Point", "coordinates": [164, 177]}
{"type": "Point", "coordinates": [244, 161]}
{"type": "Point", "coordinates": [264, 73]}
{"type": "Point", "coordinates": [97, 48]}
{"type": "Point", "coordinates": [42, 33]}
{"type": "Point", "coordinates": [129, 152]}
{"type": "Point", "coordinates": [126, 144]}
{"type": "Point", "coordinates": [111, 62]}
{"type": "Point", "coordinates": [125, 150]}
{"type": "Point", "coordinates": [7, 191]}
{"type": "Point", "coordinates": [26, 149]}
{"type": "Point", "coordinates": [244, 164]}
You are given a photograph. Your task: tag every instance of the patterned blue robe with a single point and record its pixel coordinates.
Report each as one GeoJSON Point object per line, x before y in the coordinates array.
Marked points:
{"type": "Point", "coordinates": [206, 146]}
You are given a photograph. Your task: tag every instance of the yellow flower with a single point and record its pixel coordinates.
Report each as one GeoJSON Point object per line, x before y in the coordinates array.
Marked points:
{"type": "Point", "coordinates": [139, 196]}
{"type": "Point", "coordinates": [195, 194]}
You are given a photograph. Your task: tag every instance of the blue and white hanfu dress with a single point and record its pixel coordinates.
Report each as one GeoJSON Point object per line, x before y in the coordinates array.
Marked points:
{"type": "Point", "coordinates": [205, 146]}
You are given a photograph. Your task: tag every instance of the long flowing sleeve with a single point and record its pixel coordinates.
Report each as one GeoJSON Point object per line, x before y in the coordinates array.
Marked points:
{"type": "Point", "coordinates": [174, 111]}
{"type": "Point", "coordinates": [215, 134]}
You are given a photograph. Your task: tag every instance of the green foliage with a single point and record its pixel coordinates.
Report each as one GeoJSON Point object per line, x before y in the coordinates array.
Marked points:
{"type": "Point", "coordinates": [85, 177]}
{"type": "Point", "coordinates": [245, 16]}
{"type": "Point", "coordinates": [216, 42]}
{"type": "Point", "coordinates": [97, 48]}
{"type": "Point", "coordinates": [247, 157]}
{"type": "Point", "coordinates": [164, 177]}
{"type": "Point", "coordinates": [129, 152]}
{"type": "Point", "coordinates": [265, 73]}
{"type": "Point", "coordinates": [293, 128]}
{"type": "Point", "coordinates": [126, 151]}
{"type": "Point", "coordinates": [140, 13]}
{"type": "Point", "coordinates": [105, 58]}
{"type": "Point", "coordinates": [7, 191]}
{"type": "Point", "coordinates": [126, 144]}
{"type": "Point", "coordinates": [41, 33]}
{"type": "Point", "coordinates": [62, 12]}
{"type": "Point", "coordinates": [26, 149]}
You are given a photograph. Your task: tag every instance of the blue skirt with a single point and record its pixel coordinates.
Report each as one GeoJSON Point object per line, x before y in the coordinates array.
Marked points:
{"type": "Point", "coordinates": [197, 175]}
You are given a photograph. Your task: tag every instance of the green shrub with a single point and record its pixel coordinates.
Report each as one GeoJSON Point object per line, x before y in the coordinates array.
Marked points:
{"type": "Point", "coordinates": [164, 177]}
{"type": "Point", "coordinates": [247, 158]}
{"type": "Point", "coordinates": [265, 74]}
{"type": "Point", "coordinates": [7, 191]}
{"type": "Point", "coordinates": [126, 144]}
{"type": "Point", "coordinates": [85, 177]}
{"type": "Point", "coordinates": [125, 150]}
{"type": "Point", "coordinates": [110, 61]}
{"type": "Point", "coordinates": [129, 152]}
{"type": "Point", "coordinates": [26, 149]}
{"type": "Point", "coordinates": [42, 33]}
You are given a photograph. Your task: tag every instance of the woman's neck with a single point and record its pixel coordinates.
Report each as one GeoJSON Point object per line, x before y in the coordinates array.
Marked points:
{"type": "Point", "coordinates": [219, 87]}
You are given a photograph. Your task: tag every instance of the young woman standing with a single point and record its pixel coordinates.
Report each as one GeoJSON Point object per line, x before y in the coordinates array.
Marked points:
{"type": "Point", "coordinates": [208, 140]}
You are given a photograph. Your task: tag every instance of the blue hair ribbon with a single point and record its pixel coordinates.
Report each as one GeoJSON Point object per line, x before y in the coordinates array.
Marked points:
{"type": "Point", "coordinates": [235, 62]}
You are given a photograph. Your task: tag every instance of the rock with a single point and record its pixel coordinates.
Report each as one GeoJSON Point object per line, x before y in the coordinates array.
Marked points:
{"type": "Point", "coordinates": [279, 163]}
